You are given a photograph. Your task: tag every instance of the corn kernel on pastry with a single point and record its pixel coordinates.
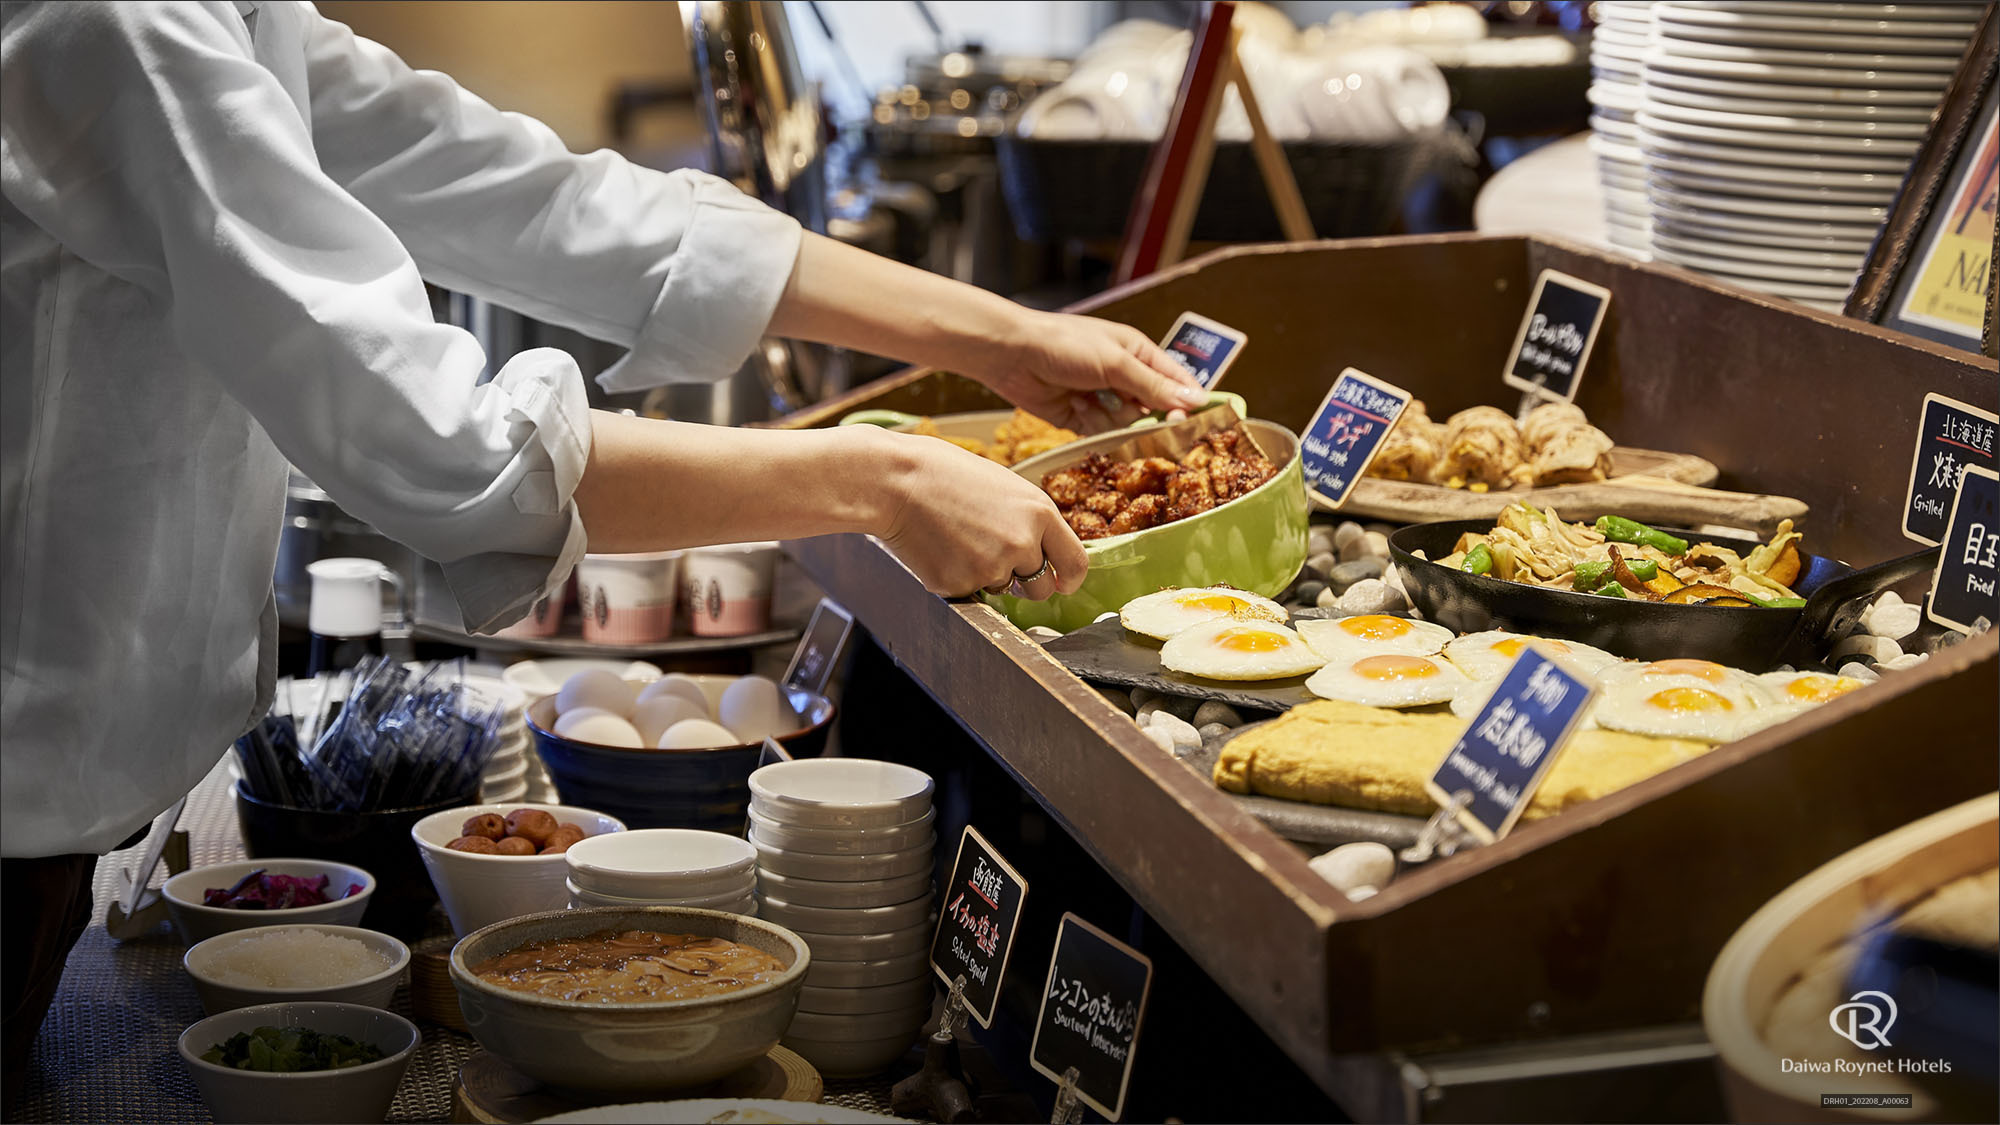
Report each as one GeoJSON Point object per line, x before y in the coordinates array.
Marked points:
{"type": "Point", "coordinates": [1337, 753]}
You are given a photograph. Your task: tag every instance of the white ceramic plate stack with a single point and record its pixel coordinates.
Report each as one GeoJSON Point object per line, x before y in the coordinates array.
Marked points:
{"type": "Point", "coordinates": [1617, 55]}
{"type": "Point", "coordinates": [1776, 133]}
{"type": "Point", "coordinates": [844, 857]}
{"type": "Point", "coordinates": [664, 867]}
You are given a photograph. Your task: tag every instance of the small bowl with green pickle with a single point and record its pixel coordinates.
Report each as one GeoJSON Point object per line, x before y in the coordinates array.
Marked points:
{"type": "Point", "coordinates": [300, 1061]}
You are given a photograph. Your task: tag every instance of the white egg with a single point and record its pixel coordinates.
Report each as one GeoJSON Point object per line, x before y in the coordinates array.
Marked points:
{"type": "Point", "coordinates": [1488, 655]}
{"type": "Point", "coordinates": [1163, 613]}
{"type": "Point", "coordinates": [1695, 699]}
{"type": "Point", "coordinates": [653, 716]}
{"type": "Point", "coordinates": [1342, 639]}
{"type": "Point", "coordinates": [1228, 649]}
{"type": "Point", "coordinates": [599, 728]}
{"type": "Point", "coordinates": [755, 709]}
{"type": "Point", "coordinates": [595, 687]}
{"type": "Point", "coordinates": [1811, 688]}
{"type": "Point", "coordinates": [1389, 679]}
{"type": "Point", "coordinates": [696, 734]}
{"type": "Point", "coordinates": [674, 683]}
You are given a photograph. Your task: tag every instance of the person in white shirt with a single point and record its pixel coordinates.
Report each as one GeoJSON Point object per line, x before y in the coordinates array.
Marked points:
{"type": "Point", "coordinates": [216, 223]}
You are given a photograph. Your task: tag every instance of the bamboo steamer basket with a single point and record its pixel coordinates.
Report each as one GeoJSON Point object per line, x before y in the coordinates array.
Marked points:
{"type": "Point", "coordinates": [1878, 880]}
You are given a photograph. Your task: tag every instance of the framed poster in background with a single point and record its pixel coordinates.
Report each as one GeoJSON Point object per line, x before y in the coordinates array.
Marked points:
{"type": "Point", "coordinates": [1932, 272]}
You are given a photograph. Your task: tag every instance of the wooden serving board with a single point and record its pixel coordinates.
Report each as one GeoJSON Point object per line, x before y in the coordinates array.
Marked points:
{"type": "Point", "coordinates": [1646, 485]}
{"type": "Point", "coordinates": [490, 1091]}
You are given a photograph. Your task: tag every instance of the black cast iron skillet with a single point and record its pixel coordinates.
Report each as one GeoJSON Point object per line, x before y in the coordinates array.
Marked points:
{"type": "Point", "coordinates": [1754, 639]}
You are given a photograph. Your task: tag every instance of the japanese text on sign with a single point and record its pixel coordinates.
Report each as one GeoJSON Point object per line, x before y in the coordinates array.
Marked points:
{"type": "Point", "coordinates": [1951, 436]}
{"type": "Point", "coordinates": [1556, 335]}
{"type": "Point", "coordinates": [1346, 431]}
{"type": "Point", "coordinates": [1092, 1009]}
{"type": "Point", "coordinates": [1203, 347]}
{"type": "Point", "coordinates": [1968, 573]}
{"type": "Point", "coordinates": [1510, 744]}
{"type": "Point", "coordinates": [982, 908]}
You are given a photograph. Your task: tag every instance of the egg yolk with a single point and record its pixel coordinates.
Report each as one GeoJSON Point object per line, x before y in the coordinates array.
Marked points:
{"type": "Point", "coordinates": [1685, 699]}
{"type": "Point", "coordinates": [1251, 640]}
{"type": "Point", "coordinates": [1512, 646]}
{"type": "Point", "coordinates": [1375, 627]}
{"type": "Point", "coordinates": [1819, 689]}
{"type": "Point", "coordinates": [1217, 603]}
{"type": "Point", "coordinates": [1702, 669]}
{"type": "Point", "coordinates": [1394, 667]}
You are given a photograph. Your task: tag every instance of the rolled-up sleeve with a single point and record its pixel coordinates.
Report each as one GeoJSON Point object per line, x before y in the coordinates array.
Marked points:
{"type": "Point", "coordinates": [681, 268]}
{"type": "Point", "coordinates": [148, 141]}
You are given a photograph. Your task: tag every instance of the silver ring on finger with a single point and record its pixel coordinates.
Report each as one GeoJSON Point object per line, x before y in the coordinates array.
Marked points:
{"type": "Point", "coordinates": [1019, 587]}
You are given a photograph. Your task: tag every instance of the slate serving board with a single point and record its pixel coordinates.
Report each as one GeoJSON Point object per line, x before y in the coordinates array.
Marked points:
{"type": "Point", "coordinates": [1104, 653]}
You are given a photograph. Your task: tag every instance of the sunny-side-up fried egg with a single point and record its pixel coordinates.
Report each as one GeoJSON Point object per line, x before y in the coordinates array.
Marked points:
{"type": "Point", "coordinates": [1389, 680]}
{"type": "Point", "coordinates": [1679, 699]}
{"type": "Point", "coordinates": [1165, 612]}
{"type": "Point", "coordinates": [1343, 639]}
{"type": "Point", "coordinates": [1807, 687]}
{"type": "Point", "coordinates": [1234, 649]}
{"type": "Point", "coordinates": [1488, 655]}
{"type": "Point", "coordinates": [1791, 694]}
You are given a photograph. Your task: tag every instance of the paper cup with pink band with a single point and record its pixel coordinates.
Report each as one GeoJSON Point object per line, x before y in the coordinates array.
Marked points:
{"type": "Point", "coordinates": [728, 589]}
{"type": "Point", "coordinates": [627, 599]}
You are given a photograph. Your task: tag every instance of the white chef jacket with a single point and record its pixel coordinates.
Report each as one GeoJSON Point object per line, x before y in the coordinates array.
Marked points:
{"type": "Point", "coordinates": [214, 223]}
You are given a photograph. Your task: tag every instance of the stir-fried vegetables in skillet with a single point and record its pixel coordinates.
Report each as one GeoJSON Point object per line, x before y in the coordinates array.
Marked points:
{"type": "Point", "coordinates": [1623, 558]}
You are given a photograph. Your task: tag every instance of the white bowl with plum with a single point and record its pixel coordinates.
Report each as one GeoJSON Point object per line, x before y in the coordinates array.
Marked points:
{"type": "Point", "coordinates": [493, 862]}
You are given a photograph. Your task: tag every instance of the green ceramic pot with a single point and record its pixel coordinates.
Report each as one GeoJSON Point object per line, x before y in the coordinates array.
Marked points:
{"type": "Point", "coordinates": [1255, 542]}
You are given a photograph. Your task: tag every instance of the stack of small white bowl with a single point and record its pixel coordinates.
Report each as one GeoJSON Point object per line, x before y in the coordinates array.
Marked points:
{"type": "Point", "coordinates": [663, 867]}
{"type": "Point", "coordinates": [1776, 134]}
{"type": "Point", "coordinates": [844, 853]}
{"type": "Point", "coordinates": [1617, 55]}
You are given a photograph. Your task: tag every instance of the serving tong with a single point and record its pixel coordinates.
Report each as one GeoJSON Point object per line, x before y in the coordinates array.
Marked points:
{"type": "Point", "coordinates": [140, 909]}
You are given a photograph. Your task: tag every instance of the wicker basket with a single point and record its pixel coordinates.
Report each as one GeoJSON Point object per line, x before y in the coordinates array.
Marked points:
{"type": "Point", "coordinates": [1061, 189]}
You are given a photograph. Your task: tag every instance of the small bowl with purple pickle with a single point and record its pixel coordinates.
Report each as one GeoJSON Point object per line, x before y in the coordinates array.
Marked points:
{"type": "Point", "coordinates": [222, 897]}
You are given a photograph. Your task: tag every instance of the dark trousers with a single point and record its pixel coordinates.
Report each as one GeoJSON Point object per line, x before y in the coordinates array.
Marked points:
{"type": "Point", "coordinates": [46, 904]}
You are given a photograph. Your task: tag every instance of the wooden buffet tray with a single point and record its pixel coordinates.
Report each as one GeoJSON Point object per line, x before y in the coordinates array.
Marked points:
{"type": "Point", "coordinates": [1604, 918]}
{"type": "Point", "coordinates": [489, 1091]}
{"type": "Point", "coordinates": [1647, 485]}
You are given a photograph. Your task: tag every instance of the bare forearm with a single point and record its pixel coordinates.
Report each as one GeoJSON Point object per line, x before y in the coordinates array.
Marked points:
{"type": "Point", "coordinates": [850, 298]}
{"type": "Point", "coordinates": [651, 485]}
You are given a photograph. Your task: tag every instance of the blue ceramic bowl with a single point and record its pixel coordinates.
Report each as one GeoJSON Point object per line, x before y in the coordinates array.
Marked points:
{"type": "Point", "coordinates": [706, 789]}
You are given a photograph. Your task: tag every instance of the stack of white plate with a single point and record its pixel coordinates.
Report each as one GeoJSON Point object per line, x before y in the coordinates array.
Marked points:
{"type": "Point", "coordinates": [1617, 55]}
{"type": "Point", "coordinates": [844, 856]}
{"type": "Point", "coordinates": [1776, 133]}
{"type": "Point", "coordinates": [663, 867]}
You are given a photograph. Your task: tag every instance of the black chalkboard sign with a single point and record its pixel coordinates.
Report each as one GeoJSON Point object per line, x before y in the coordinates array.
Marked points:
{"type": "Point", "coordinates": [1092, 1006]}
{"type": "Point", "coordinates": [818, 653]}
{"type": "Point", "coordinates": [982, 909]}
{"type": "Point", "coordinates": [1556, 335]}
{"type": "Point", "coordinates": [1951, 435]}
{"type": "Point", "coordinates": [1968, 573]}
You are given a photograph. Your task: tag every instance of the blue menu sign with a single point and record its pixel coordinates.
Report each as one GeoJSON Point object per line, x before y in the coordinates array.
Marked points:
{"type": "Point", "coordinates": [1092, 1006]}
{"type": "Point", "coordinates": [1962, 590]}
{"type": "Point", "coordinates": [1506, 751]}
{"type": "Point", "coordinates": [1204, 347]}
{"type": "Point", "coordinates": [1951, 436]}
{"type": "Point", "coordinates": [1346, 432]}
{"type": "Point", "coordinates": [1556, 335]}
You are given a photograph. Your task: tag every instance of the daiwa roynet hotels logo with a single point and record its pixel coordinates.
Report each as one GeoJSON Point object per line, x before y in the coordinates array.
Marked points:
{"type": "Point", "coordinates": [1866, 1020]}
